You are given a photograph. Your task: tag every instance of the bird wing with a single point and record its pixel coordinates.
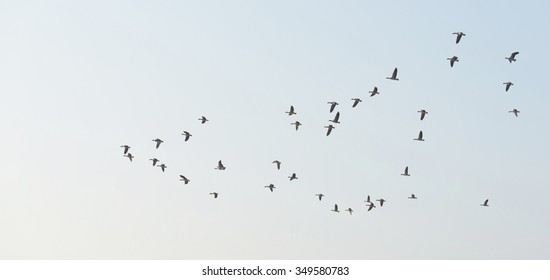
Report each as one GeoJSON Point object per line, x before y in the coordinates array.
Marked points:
{"type": "Point", "coordinates": [335, 207]}
{"type": "Point", "coordinates": [407, 170]}
{"type": "Point", "coordinates": [420, 134]}
{"type": "Point", "coordinates": [422, 115]}
{"type": "Point", "coordinates": [332, 107]}
{"type": "Point", "coordinates": [486, 202]}
{"type": "Point", "coordinates": [371, 206]}
{"type": "Point", "coordinates": [514, 54]}
{"type": "Point", "coordinates": [394, 75]}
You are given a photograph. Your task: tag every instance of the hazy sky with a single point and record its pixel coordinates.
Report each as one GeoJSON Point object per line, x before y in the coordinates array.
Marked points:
{"type": "Point", "coordinates": [80, 78]}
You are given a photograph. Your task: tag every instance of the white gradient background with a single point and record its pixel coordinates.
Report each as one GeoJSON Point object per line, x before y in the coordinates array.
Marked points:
{"type": "Point", "coordinates": [80, 78]}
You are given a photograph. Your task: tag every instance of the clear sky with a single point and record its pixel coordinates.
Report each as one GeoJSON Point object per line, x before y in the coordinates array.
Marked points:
{"type": "Point", "coordinates": [78, 79]}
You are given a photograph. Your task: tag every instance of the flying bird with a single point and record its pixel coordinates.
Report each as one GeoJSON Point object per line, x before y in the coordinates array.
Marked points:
{"type": "Point", "coordinates": [375, 91]}
{"type": "Point", "coordinates": [335, 208]}
{"type": "Point", "coordinates": [371, 205]}
{"type": "Point", "coordinates": [163, 166]}
{"type": "Point", "coordinates": [423, 114]}
{"type": "Point", "coordinates": [184, 179]}
{"type": "Point", "coordinates": [203, 119]}
{"type": "Point", "coordinates": [453, 60]}
{"type": "Point", "coordinates": [154, 161]}
{"type": "Point", "coordinates": [297, 124]}
{"type": "Point", "coordinates": [515, 111]}
{"type": "Point", "coordinates": [332, 105]}
{"type": "Point", "coordinates": [512, 57]}
{"type": "Point", "coordinates": [278, 163]}
{"type": "Point", "coordinates": [412, 196]}
{"type": "Point", "coordinates": [129, 155]}
{"type": "Point", "coordinates": [368, 199]}
{"type": "Point", "coordinates": [158, 142]}
{"type": "Point", "coordinates": [458, 36]}
{"type": "Point", "coordinates": [215, 194]}
{"type": "Point", "coordinates": [293, 176]}
{"type": "Point", "coordinates": [126, 147]}
{"type": "Point", "coordinates": [406, 173]}
{"type": "Point", "coordinates": [270, 187]}
{"type": "Point", "coordinates": [336, 118]}
{"type": "Point", "coordinates": [291, 112]}
{"type": "Point", "coordinates": [393, 75]}
{"type": "Point", "coordinates": [381, 201]}
{"type": "Point", "coordinates": [320, 195]}
{"type": "Point", "coordinates": [486, 203]}
{"type": "Point", "coordinates": [349, 210]}
{"type": "Point", "coordinates": [330, 127]}
{"type": "Point", "coordinates": [220, 166]}
{"type": "Point", "coordinates": [420, 135]}
{"type": "Point", "coordinates": [355, 102]}
{"type": "Point", "coordinates": [508, 85]}
{"type": "Point", "coordinates": [187, 135]}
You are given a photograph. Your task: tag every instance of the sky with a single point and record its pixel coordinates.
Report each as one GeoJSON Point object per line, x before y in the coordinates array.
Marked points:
{"type": "Point", "coordinates": [78, 79]}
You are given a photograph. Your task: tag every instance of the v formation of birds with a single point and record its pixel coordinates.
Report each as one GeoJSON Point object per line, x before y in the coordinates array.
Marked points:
{"type": "Point", "coordinates": [330, 127]}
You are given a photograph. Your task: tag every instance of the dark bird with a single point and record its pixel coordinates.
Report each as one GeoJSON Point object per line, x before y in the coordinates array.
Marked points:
{"type": "Point", "coordinates": [126, 147]}
{"type": "Point", "coordinates": [330, 127]}
{"type": "Point", "coordinates": [453, 60]}
{"type": "Point", "coordinates": [293, 176]}
{"type": "Point", "coordinates": [393, 75]}
{"type": "Point", "coordinates": [203, 119]}
{"type": "Point", "coordinates": [368, 199]}
{"type": "Point", "coordinates": [335, 208]}
{"type": "Point", "coordinates": [184, 179]}
{"type": "Point", "coordinates": [215, 194]}
{"type": "Point", "coordinates": [515, 111]}
{"type": "Point", "coordinates": [406, 173]}
{"type": "Point", "coordinates": [420, 135]}
{"type": "Point", "coordinates": [320, 196]}
{"type": "Point", "coordinates": [332, 105]}
{"type": "Point", "coordinates": [423, 113]}
{"type": "Point", "coordinates": [486, 203]}
{"type": "Point", "coordinates": [355, 102]}
{"type": "Point", "coordinates": [512, 57]}
{"type": "Point", "coordinates": [158, 142]}
{"type": "Point", "coordinates": [336, 118]}
{"type": "Point", "coordinates": [187, 135]}
{"type": "Point", "coordinates": [371, 205]}
{"type": "Point", "coordinates": [381, 201]}
{"type": "Point", "coordinates": [129, 155]}
{"type": "Point", "coordinates": [375, 90]}
{"type": "Point", "coordinates": [291, 112]}
{"type": "Point", "coordinates": [458, 36]}
{"type": "Point", "coordinates": [508, 85]}
{"type": "Point", "coordinates": [270, 187]}
{"type": "Point", "coordinates": [412, 196]}
{"type": "Point", "coordinates": [297, 124]}
{"type": "Point", "coordinates": [278, 163]}
{"type": "Point", "coordinates": [154, 161]}
{"type": "Point", "coordinates": [220, 166]}
{"type": "Point", "coordinates": [163, 166]}
{"type": "Point", "coordinates": [349, 210]}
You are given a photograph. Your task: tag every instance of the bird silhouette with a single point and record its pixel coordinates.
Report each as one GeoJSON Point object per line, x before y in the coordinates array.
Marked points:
{"type": "Point", "coordinates": [420, 135]}
{"type": "Point", "coordinates": [486, 203]}
{"type": "Point", "coordinates": [320, 196]}
{"type": "Point", "coordinates": [203, 119]}
{"type": "Point", "coordinates": [215, 194]}
{"type": "Point", "coordinates": [412, 196]}
{"type": "Point", "coordinates": [453, 60]}
{"type": "Point", "coordinates": [508, 85]}
{"type": "Point", "coordinates": [270, 187]}
{"type": "Point", "coordinates": [129, 155]}
{"type": "Point", "coordinates": [368, 199]}
{"type": "Point", "coordinates": [293, 176]}
{"type": "Point", "coordinates": [381, 200]}
{"type": "Point", "coordinates": [423, 114]}
{"type": "Point", "coordinates": [297, 124]}
{"type": "Point", "coordinates": [515, 111]}
{"type": "Point", "coordinates": [393, 75]}
{"type": "Point", "coordinates": [154, 161]}
{"type": "Point", "coordinates": [512, 57]}
{"type": "Point", "coordinates": [278, 163]}
{"type": "Point", "coordinates": [126, 147]}
{"type": "Point", "coordinates": [184, 179]}
{"type": "Point", "coordinates": [187, 135]}
{"type": "Point", "coordinates": [336, 118]}
{"type": "Point", "coordinates": [158, 142]}
{"type": "Point", "coordinates": [330, 127]}
{"type": "Point", "coordinates": [332, 105]}
{"type": "Point", "coordinates": [374, 91]}
{"type": "Point", "coordinates": [163, 166]}
{"type": "Point", "coordinates": [355, 102]}
{"type": "Point", "coordinates": [349, 210]}
{"type": "Point", "coordinates": [371, 205]}
{"type": "Point", "coordinates": [220, 166]}
{"type": "Point", "coordinates": [335, 208]}
{"type": "Point", "coordinates": [406, 173]}
{"type": "Point", "coordinates": [458, 36]}
{"type": "Point", "coordinates": [291, 112]}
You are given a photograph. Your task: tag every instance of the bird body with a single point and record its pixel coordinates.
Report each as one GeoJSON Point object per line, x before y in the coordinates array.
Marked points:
{"type": "Point", "coordinates": [297, 124]}
{"type": "Point", "coordinates": [215, 194]}
{"type": "Point", "coordinates": [406, 173]}
{"type": "Point", "coordinates": [515, 111]}
{"type": "Point", "coordinates": [320, 196]}
{"type": "Point", "coordinates": [374, 91]}
{"type": "Point", "coordinates": [349, 210]}
{"type": "Point", "coordinates": [126, 147]}
{"type": "Point", "coordinates": [368, 199]}
{"type": "Point", "coordinates": [355, 102]}
{"type": "Point", "coordinates": [330, 127]}
{"type": "Point", "coordinates": [163, 166]}
{"type": "Point", "coordinates": [486, 203]}
{"type": "Point", "coordinates": [184, 179]}
{"type": "Point", "coordinates": [336, 118]}
{"type": "Point", "coordinates": [332, 105]}
{"type": "Point", "coordinates": [394, 75]}
{"type": "Point", "coordinates": [270, 187]}
{"type": "Point", "coordinates": [203, 119]}
{"type": "Point", "coordinates": [335, 208]}
{"type": "Point", "coordinates": [154, 161]}
{"type": "Point", "coordinates": [453, 60]}
{"type": "Point", "coordinates": [381, 200]}
{"type": "Point", "coordinates": [371, 205]}
{"type": "Point", "coordinates": [420, 135]}
{"type": "Point", "coordinates": [512, 57]}
{"type": "Point", "coordinates": [293, 176]}
{"type": "Point", "coordinates": [291, 111]}
{"type": "Point", "coordinates": [129, 155]}
{"type": "Point", "coordinates": [187, 135]}
{"type": "Point", "coordinates": [423, 114]}
{"type": "Point", "coordinates": [220, 166]}
{"type": "Point", "coordinates": [158, 142]}
{"type": "Point", "coordinates": [278, 163]}
{"type": "Point", "coordinates": [412, 196]}
{"type": "Point", "coordinates": [458, 36]}
{"type": "Point", "coordinates": [508, 85]}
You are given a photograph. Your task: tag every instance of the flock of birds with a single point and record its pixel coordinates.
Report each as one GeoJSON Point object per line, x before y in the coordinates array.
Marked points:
{"type": "Point", "coordinates": [330, 127]}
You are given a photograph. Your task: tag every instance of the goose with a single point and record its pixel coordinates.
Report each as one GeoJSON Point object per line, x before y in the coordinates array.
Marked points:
{"type": "Point", "coordinates": [486, 203]}
{"type": "Point", "coordinates": [420, 135]}
{"type": "Point", "coordinates": [154, 161]}
{"type": "Point", "coordinates": [349, 210]}
{"type": "Point", "coordinates": [458, 36]}
{"type": "Point", "coordinates": [515, 111]}
{"type": "Point", "coordinates": [371, 205]}
{"type": "Point", "coordinates": [508, 85]}
{"type": "Point", "coordinates": [297, 124]}
{"type": "Point", "coordinates": [368, 199]}
{"type": "Point", "coordinates": [335, 208]}
{"type": "Point", "coordinates": [215, 194]}
{"type": "Point", "coordinates": [330, 127]}
{"type": "Point", "coordinates": [336, 118]}
{"type": "Point", "coordinates": [355, 102]}
{"type": "Point", "coordinates": [453, 60]}
{"type": "Point", "coordinates": [293, 176]}
{"type": "Point", "coordinates": [320, 196]}
{"type": "Point", "coordinates": [332, 105]}
{"type": "Point", "coordinates": [184, 179]}
{"type": "Point", "coordinates": [158, 142]}
{"type": "Point", "coordinates": [203, 119]}
{"type": "Point", "coordinates": [278, 163]}
{"type": "Point", "coordinates": [187, 135]}
{"type": "Point", "coordinates": [163, 166]}
{"type": "Point", "coordinates": [393, 75]}
{"type": "Point", "coordinates": [412, 196]}
{"type": "Point", "coordinates": [381, 201]}
{"type": "Point", "coordinates": [291, 112]}
{"type": "Point", "coordinates": [512, 57]}
{"type": "Point", "coordinates": [129, 155]}
{"type": "Point", "coordinates": [406, 173]}
{"type": "Point", "coordinates": [374, 91]}
{"type": "Point", "coordinates": [220, 166]}
{"type": "Point", "coordinates": [126, 147]}
{"type": "Point", "coordinates": [423, 114]}
{"type": "Point", "coordinates": [270, 187]}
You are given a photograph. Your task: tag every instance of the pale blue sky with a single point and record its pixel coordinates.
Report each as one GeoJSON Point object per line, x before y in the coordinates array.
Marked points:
{"type": "Point", "coordinates": [79, 79]}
